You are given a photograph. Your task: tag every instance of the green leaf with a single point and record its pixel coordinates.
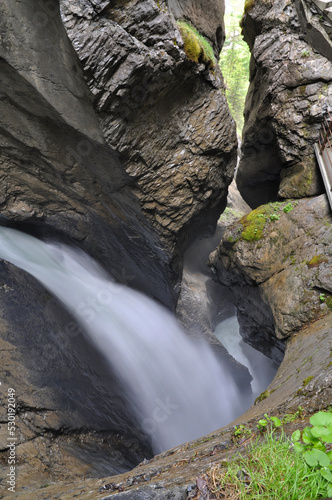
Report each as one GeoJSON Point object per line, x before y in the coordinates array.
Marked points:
{"type": "Point", "coordinates": [308, 437]}
{"type": "Point", "coordinates": [296, 436]}
{"type": "Point", "coordinates": [262, 423]}
{"type": "Point", "coordinates": [329, 491]}
{"type": "Point", "coordinates": [329, 454]}
{"type": "Point", "coordinates": [316, 457]}
{"type": "Point", "coordinates": [327, 475]}
{"type": "Point", "coordinates": [325, 433]}
{"type": "Point", "coordinates": [321, 418]}
{"type": "Point", "coordinates": [299, 448]}
{"type": "Point", "coordinates": [276, 421]}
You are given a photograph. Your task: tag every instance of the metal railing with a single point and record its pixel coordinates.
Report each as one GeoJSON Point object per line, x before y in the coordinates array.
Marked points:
{"type": "Point", "coordinates": [325, 137]}
{"type": "Point", "coordinates": [324, 154]}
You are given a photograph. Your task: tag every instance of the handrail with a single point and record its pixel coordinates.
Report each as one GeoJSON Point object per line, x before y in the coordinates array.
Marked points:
{"type": "Point", "coordinates": [323, 151]}
{"type": "Point", "coordinates": [326, 132]}
{"type": "Point", "coordinates": [325, 144]}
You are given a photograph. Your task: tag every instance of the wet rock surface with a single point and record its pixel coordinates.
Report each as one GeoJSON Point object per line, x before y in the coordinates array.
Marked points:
{"type": "Point", "coordinates": [290, 87]}
{"type": "Point", "coordinates": [195, 11]}
{"type": "Point", "coordinates": [57, 171]}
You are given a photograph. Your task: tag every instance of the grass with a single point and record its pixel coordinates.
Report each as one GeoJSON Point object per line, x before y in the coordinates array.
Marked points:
{"type": "Point", "coordinates": [196, 47]}
{"type": "Point", "coordinates": [270, 470]}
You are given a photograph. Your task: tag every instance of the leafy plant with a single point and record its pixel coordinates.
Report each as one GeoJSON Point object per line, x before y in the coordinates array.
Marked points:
{"type": "Point", "coordinates": [234, 63]}
{"type": "Point", "coordinates": [270, 470]}
{"type": "Point", "coordinates": [291, 417]}
{"type": "Point", "coordinates": [268, 422]}
{"type": "Point", "coordinates": [288, 208]}
{"type": "Point", "coordinates": [311, 443]}
{"type": "Point", "coordinates": [240, 432]}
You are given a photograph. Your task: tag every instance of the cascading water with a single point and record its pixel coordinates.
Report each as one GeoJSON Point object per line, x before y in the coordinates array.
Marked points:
{"type": "Point", "coordinates": [177, 386]}
{"type": "Point", "coordinates": [261, 368]}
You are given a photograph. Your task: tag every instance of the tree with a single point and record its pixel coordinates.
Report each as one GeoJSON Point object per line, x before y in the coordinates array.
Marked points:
{"type": "Point", "coordinates": [234, 64]}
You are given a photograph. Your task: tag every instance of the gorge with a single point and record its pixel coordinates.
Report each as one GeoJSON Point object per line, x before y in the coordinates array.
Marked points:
{"type": "Point", "coordinates": [117, 141]}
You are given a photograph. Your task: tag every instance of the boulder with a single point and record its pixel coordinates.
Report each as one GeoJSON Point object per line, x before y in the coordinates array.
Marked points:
{"type": "Point", "coordinates": [278, 257]}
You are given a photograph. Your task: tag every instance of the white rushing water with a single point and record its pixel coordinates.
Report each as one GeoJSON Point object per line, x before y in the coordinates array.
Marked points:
{"type": "Point", "coordinates": [261, 368]}
{"type": "Point", "coordinates": [177, 386]}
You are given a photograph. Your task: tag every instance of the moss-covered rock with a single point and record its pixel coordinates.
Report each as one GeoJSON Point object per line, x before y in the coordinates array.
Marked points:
{"type": "Point", "coordinates": [196, 47]}
{"type": "Point", "coordinates": [284, 251]}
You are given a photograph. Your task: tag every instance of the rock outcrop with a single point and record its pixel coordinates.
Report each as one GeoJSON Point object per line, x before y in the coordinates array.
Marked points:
{"type": "Point", "coordinates": [57, 172]}
{"type": "Point", "coordinates": [290, 88]}
{"type": "Point", "coordinates": [164, 114]}
{"type": "Point", "coordinates": [206, 15]}
{"type": "Point", "coordinates": [279, 253]}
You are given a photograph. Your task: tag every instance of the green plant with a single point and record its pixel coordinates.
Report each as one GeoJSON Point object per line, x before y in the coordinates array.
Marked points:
{"type": "Point", "coordinates": [313, 446]}
{"type": "Point", "coordinates": [307, 380]}
{"type": "Point", "coordinates": [262, 396]}
{"type": "Point", "coordinates": [317, 260]}
{"type": "Point", "coordinates": [196, 47]}
{"type": "Point", "coordinates": [234, 63]}
{"type": "Point", "coordinates": [268, 422]}
{"type": "Point", "coordinates": [305, 53]}
{"type": "Point", "coordinates": [288, 208]}
{"type": "Point", "coordinates": [240, 432]}
{"type": "Point", "coordinates": [270, 470]}
{"type": "Point", "coordinates": [322, 297]}
{"type": "Point", "coordinates": [291, 417]}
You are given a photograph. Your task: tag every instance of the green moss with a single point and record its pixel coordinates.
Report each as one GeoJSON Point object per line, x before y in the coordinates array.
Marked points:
{"type": "Point", "coordinates": [328, 302]}
{"type": "Point", "coordinates": [196, 47]}
{"type": "Point", "coordinates": [316, 261]}
{"type": "Point", "coordinates": [262, 396]}
{"type": "Point", "coordinates": [307, 380]}
{"type": "Point", "coordinates": [255, 222]}
{"type": "Point", "coordinates": [248, 5]}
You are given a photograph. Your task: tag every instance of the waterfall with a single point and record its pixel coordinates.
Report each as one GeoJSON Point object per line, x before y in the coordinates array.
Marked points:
{"type": "Point", "coordinates": [261, 368]}
{"type": "Point", "coordinates": [177, 387]}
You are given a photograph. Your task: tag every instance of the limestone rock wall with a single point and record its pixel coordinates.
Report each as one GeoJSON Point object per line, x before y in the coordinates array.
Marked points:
{"type": "Point", "coordinates": [166, 116]}
{"type": "Point", "coordinates": [290, 88]}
